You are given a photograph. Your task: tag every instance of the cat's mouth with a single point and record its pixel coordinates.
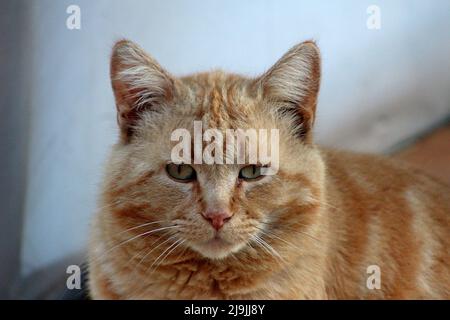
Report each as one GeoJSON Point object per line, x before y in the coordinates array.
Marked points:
{"type": "Point", "coordinates": [216, 247]}
{"type": "Point", "coordinates": [217, 242]}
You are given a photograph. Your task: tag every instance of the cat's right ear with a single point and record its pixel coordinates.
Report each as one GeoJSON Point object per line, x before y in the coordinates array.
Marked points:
{"type": "Point", "coordinates": [139, 84]}
{"type": "Point", "coordinates": [292, 85]}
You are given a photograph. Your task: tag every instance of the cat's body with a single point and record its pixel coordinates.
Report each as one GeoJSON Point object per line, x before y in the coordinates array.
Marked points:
{"type": "Point", "coordinates": [316, 230]}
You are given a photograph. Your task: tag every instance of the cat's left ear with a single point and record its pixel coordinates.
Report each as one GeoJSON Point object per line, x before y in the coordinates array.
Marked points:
{"type": "Point", "coordinates": [139, 83]}
{"type": "Point", "coordinates": [292, 86]}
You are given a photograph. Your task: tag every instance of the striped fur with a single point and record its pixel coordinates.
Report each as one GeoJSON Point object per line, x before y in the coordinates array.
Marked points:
{"type": "Point", "coordinates": [323, 219]}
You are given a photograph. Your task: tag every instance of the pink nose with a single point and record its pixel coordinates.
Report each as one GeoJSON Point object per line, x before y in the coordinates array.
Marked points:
{"type": "Point", "coordinates": [217, 218]}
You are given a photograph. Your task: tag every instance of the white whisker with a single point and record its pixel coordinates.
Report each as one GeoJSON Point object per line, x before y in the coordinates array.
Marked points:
{"type": "Point", "coordinates": [133, 238]}
{"type": "Point", "coordinates": [141, 226]}
{"type": "Point", "coordinates": [153, 249]}
{"type": "Point", "coordinates": [172, 247]}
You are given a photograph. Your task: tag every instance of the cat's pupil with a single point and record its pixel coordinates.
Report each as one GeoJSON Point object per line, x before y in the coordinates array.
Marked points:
{"type": "Point", "coordinates": [181, 172]}
{"type": "Point", "coordinates": [250, 172]}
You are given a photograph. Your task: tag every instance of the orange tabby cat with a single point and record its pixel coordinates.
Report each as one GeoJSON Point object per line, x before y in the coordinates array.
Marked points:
{"type": "Point", "coordinates": [315, 230]}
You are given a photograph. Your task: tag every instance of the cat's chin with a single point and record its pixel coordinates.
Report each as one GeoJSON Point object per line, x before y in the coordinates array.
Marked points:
{"type": "Point", "coordinates": [216, 248]}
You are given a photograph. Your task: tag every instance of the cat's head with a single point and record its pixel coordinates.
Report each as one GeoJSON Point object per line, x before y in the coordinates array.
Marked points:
{"type": "Point", "coordinates": [217, 210]}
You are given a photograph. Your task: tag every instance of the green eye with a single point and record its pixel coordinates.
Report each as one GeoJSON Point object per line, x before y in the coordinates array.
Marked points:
{"type": "Point", "coordinates": [250, 172]}
{"type": "Point", "coordinates": [182, 172]}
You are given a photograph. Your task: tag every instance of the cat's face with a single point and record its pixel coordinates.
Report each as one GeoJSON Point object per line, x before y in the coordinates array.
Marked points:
{"type": "Point", "coordinates": [216, 210]}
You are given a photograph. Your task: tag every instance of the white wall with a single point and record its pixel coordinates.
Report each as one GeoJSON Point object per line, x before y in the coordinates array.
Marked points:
{"type": "Point", "coordinates": [379, 87]}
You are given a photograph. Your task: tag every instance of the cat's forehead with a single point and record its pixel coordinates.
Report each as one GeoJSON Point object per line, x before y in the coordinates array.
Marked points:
{"type": "Point", "coordinates": [219, 99]}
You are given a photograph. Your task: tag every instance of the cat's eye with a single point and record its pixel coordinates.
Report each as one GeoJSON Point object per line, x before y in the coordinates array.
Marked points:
{"type": "Point", "coordinates": [181, 172]}
{"type": "Point", "coordinates": [250, 172]}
